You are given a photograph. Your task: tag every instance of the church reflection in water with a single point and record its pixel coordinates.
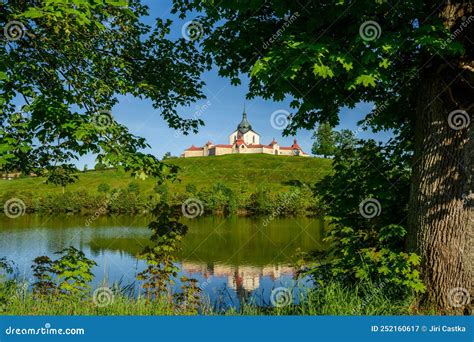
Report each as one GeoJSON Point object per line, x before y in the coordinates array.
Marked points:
{"type": "Point", "coordinates": [244, 280]}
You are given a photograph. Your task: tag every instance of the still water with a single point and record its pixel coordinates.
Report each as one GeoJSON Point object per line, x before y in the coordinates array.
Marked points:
{"type": "Point", "coordinates": [233, 259]}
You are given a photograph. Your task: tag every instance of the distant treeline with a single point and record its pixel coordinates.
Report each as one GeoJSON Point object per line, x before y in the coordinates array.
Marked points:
{"type": "Point", "coordinates": [217, 199]}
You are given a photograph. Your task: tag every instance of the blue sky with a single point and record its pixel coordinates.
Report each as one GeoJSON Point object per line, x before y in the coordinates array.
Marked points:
{"type": "Point", "coordinates": [223, 113]}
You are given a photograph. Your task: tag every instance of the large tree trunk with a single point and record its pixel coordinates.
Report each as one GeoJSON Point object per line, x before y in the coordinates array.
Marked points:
{"type": "Point", "coordinates": [470, 203]}
{"type": "Point", "coordinates": [439, 211]}
{"type": "Point", "coordinates": [441, 194]}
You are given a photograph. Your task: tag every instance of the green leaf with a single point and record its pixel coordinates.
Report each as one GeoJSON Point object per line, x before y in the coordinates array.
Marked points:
{"type": "Point", "coordinates": [257, 67]}
{"type": "Point", "coordinates": [414, 259]}
{"type": "Point", "coordinates": [385, 63]}
{"type": "Point", "coordinates": [346, 65]}
{"type": "Point", "coordinates": [33, 13]}
{"type": "Point", "coordinates": [366, 80]}
{"type": "Point", "coordinates": [322, 71]}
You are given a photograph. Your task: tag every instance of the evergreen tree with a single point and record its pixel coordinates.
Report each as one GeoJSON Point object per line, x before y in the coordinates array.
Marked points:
{"type": "Point", "coordinates": [325, 140]}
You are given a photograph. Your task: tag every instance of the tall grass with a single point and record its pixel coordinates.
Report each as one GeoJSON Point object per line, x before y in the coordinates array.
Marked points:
{"type": "Point", "coordinates": [121, 306]}
{"type": "Point", "coordinates": [334, 299]}
{"type": "Point", "coordinates": [337, 299]}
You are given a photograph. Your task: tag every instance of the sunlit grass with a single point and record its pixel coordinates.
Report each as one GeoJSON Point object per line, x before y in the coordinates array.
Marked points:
{"type": "Point", "coordinates": [234, 171]}
{"type": "Point", "coordinates": [334, 299]}
{"type": "Point", "coordinates": [121, 306]}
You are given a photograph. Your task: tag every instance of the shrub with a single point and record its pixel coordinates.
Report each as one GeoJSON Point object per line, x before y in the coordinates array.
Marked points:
{"type": "Point", "coordinates": [99, 167]}
{"type": "Point", "coordinates": [69, 275]}
{"type": "Point", "coordinates": [133, 187]}
{"type": "Point", "coordinates": [367, 245]}
{"type": "Point", "coordinates": [296, 201]}
{"type": "Point", "coordinates": [162, 190]}
{"type": "Point", "coordinates": [7, 286]}
{"type": "Point", "coordinates": [219, 199]}
{"type": "Point", "coordinates": [129, 202]}
{"type": "Point", "coordinates": [103, 187]}
{"type": "Point", "coordinates": [261, 202]}
{"type": "Point", "coordinates": [191, 189]}
{"type": "Point", "coordinates": [160, 256]}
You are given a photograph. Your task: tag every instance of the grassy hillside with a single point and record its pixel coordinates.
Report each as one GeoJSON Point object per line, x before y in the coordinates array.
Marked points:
{"type": "Point", "coordinates": [235, 171]}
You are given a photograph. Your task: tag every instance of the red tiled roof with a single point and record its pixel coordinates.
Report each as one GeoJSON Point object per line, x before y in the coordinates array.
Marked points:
{"type": "Point", "coordinates": [295, 146]}
{"type": "Point", "coordinates": [240, 142]}
{"type": "Point", "coordinates": [194, 148]}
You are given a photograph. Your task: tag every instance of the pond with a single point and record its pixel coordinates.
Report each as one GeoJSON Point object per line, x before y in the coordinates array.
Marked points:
{"type": "Point", "coordinates": [233, 259]}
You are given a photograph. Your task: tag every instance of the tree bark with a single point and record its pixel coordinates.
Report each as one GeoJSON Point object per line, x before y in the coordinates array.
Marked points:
{"type": "Point", "coordinates": [441, 213]}
{"type": "Point", "coordinates": [470, 203]}
{"type": "Point", "coordinates": [439, 209]}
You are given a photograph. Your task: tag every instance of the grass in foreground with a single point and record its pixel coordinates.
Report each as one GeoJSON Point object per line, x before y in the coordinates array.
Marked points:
{"type": "Point", "coordinates": [334, 299]}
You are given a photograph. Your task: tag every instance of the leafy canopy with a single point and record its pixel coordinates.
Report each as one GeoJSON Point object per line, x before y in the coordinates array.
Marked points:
{"type": "Point", "coordinates": [63, 64]}
{"type": "Point", "coordinates": [327, 55]}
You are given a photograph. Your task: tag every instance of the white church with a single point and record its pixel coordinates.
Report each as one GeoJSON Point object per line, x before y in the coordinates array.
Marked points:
{"type": "Point", "coordinates": [244, 140]}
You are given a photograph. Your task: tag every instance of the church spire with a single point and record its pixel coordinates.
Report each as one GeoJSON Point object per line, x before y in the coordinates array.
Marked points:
{"type": "Point", "coordinates": [244, 126]}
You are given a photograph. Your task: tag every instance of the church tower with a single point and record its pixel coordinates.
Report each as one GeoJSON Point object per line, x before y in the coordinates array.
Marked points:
{"type": "Point", "coordinates": [244, 133]}
{"type": "Point", "coordinates": [244, 126]}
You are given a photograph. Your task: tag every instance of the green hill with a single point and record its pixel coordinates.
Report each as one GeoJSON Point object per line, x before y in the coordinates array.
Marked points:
{"type": "Point", "coordinates": [235, 171]}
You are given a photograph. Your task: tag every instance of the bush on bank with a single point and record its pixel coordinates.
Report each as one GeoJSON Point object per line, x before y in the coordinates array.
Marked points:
{"type": "Point", "coordinates": [216, 199]}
